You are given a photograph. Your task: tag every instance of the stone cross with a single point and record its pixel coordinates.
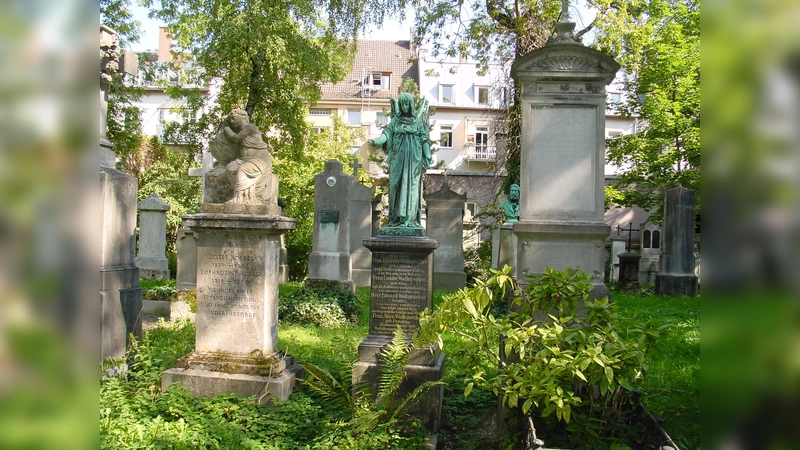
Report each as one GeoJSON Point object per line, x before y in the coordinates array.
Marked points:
{"type": "Point", "coordinates": [355, 165]}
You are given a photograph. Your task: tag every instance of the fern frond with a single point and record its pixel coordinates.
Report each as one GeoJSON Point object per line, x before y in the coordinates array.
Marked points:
{"type": "Point", "coordinates": [393, 360]}
{"type": "Point", "coordinates": [321, 382]}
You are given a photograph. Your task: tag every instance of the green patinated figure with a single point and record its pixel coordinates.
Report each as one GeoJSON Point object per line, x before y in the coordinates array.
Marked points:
{"type": "Point", "coordinates": [407, 145]}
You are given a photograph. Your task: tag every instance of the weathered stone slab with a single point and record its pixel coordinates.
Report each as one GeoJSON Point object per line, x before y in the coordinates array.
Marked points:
{"type": "Point", "coordinates": [444, 223]}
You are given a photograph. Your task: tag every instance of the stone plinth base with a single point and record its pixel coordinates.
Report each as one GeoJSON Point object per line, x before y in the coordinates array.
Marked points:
{"type": "Point", "coordinates": [207, 374]}
{"type": "Point", "coordinates": [153, 267]}
{"type": "Point", "coordinates": [402, 231]}
{"type": "Point", "coordinates": [429, 408]}
{"type": "Point", "coordinates": [235, 208]}
{"type": "Point", "coordinates": [677, 284]}
{"type": "Point", "coordinates": [449, 281]}
{"type": "Point", "coordinates": [629, 271]}
{"type": "Point", "coordinates": [558, 245]}
{"type": "Point", "coordinates": [402, 281]}
{"type": "Point", "coordinates": [330, 266]}
{"type": "Point", "coordinates": [504, 248]}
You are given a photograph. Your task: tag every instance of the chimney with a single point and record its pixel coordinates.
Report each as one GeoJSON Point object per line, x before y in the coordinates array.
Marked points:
{"type": "Point", "coordinates": [164, 45]}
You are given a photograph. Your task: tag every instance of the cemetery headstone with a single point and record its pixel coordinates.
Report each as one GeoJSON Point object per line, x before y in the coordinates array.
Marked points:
{"type": "Point", "coordinates": [329, 260]}
{"type": "Point", "coordinates": [677, 275]}
{"type": "Point", "coordinates": [186, 246]}
{"type": "Point", "coordinates": [283, 274]}
{"type": "Point", "coordinates": [238, 258]}
{"type": "Point", "coordinates": [562, 160]}
{"type": "Point", "coordinates": [402, 261]}
{"type": "Point", "coordinates": [152, 259]}
{"type": "Point", "coordinates": [618, 245]}
{"type": "Point", "coordinates": [360, 229]}
{"type": "Point", "coordinates": [445, 224]}
{"type": "Point", "coordinates": [120, 294]}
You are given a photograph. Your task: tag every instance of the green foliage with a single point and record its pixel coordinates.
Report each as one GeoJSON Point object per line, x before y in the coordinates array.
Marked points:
{"type": "Point", "coordinates": [166, 175]}
{"type": "Point", "coordinates": [478, 260]}
{"type": "Point", "coordinates": [556, 352]}
{"type": "Point", "coordinates": [157, 289]}
{"type": "Point", "coordinates": [324, 306]}
{"type": "Point", "coordinates": [374, 419]}
{"type": "Point", "coordinates": [297, 187]}
{"type": "Point", "coordinates": [658, 45]}
{"type": "Point", "coordinates": [271, 57]}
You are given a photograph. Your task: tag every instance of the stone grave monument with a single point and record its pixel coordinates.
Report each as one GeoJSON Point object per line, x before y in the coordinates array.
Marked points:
{"type": "Point", "coordinates": [329, 262]}
{"type": "Point", "coordinates": [152, 259]}
{"type": "Point", "coordinates": [504, 241]}
{"type": "Point", "coordinates": [445, 224]}
{"type": "Point", "coordinates": [186, 246]}
{"type": "Point", "coordinates": [361, 204]}
{"type": "Point", "coordinates": [402, 261]}
{"type": "Point", "coordinates": [562, 99]}
{"type": "Point", "coordinates": [120, 294]}
{"type": "Point", "coordinates": [238, 248]}
{"type": "Point", "coordinates": [677, 275]}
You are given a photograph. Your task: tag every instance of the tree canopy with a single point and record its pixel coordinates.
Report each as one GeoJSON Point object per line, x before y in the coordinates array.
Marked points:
{"type": "Point", "coordinates": [657, 42]}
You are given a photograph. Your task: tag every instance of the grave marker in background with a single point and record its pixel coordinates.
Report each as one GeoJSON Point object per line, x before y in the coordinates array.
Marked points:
{"type": "Point", "coordinates": [445, 224]}
{"type": "Point", "coordinates": [677, 275]}
{"type": "Point", "coordinates": [152, 260]}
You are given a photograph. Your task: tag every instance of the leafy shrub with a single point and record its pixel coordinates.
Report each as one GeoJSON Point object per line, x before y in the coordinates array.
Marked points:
{"type": "Point", "coordinates": [157, 289]}
{"type": "Point", "coordinates": [172, 264]}
{"type": "Point", "coordinates": [555, 356]}
{"type": "Point", "coordinates": [324, 306]}
{"type": "Point", "coordinates": [478, 261]}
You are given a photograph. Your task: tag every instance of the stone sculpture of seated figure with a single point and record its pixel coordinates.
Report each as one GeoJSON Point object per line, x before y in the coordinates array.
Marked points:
{"type": "Point", "coordinates": [248, 171]}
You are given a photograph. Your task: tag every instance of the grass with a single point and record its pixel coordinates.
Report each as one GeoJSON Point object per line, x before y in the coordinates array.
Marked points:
{"type": "Point", "coordinates": [671, 388]}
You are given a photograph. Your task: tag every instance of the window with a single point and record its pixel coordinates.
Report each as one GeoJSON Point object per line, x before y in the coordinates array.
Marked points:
{"type": "Point", "coordinates": [482, 143]}
{"type": "Point", "coordinates": [482, 95]}
{"type": "Point", "coordinates": [447, 136]}
{"type": "Point", "coordinates": [446, 93]}
{"type": "Point", "coordinates": [189, 116]}
{"type": "Point", "coordinates": [656, 239]}
{"type": "Point", "coordinates": [379, 81]}
{"type": "Point", "coordinates": [319, 112]}
{"type": "Point", "coordinates": [646, 239]}
{"type": "Point", "coordinates": [612, 101]}
{"type": "Point", "coordinates": [381, 119]}
{"type": "Point", "coordinates": [470, 209]}
{"type": "Point", "coordinates": [354, 116]}
{"type": "Point", "coordinates": [318, 130]}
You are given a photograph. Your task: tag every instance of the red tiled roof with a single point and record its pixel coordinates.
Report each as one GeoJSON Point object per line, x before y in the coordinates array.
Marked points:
{"type": "Point", "coordinates": [375, 56]}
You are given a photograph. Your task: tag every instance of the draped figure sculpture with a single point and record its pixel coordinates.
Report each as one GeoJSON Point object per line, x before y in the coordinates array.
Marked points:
{"type": "Point", "coordinates": [407, 145]}
{"type": "Point", "coordinates": [239, 147]}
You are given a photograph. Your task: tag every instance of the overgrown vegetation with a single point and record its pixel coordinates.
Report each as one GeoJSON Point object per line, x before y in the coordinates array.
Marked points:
{"type": "Point", "coordinates": [478, 260]}
{"type": "Point", "coordinates": [556, 356]}
{"type": "Point", "coordinates": [134, 413]}
{"type": "Point", "coordinates": [157, 289]}
{"type": "Point", "coordinates": [324, 306]}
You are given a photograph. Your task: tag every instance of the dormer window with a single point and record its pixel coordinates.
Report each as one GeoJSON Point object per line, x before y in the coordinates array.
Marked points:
{"type": "Point", "coordinates": [482, 95]}
{"type": "Point", "coordinates": [379, 81]}
{"type": "Point", "coordinates": [446, 93]}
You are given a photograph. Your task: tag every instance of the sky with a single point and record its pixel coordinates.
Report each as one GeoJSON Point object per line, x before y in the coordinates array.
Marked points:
{"type": "Point", "coordinates": [392, 29]}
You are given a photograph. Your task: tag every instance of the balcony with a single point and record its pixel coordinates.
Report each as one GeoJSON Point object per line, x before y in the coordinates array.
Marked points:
{"type": "Point", "coordinates": [481, 152]}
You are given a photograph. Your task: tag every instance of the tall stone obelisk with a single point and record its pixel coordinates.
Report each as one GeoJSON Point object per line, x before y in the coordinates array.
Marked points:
{"type": "Point", "coordinates": [562, 156]}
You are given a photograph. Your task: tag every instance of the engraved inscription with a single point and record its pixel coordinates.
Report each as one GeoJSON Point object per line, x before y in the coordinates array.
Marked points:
{"type": "Point", "coordinates": [223, 278]}
{"type": "Point", "coordinates": [328, 216]}
{"type": "Point", "coordinates": [399, 292]}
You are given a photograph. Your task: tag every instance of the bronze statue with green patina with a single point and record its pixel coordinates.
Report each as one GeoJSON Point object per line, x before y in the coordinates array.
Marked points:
{"type": "Point", "coordinates": [407, 145]}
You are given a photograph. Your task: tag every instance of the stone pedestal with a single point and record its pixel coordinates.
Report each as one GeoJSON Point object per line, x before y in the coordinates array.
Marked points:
{"type": "Point", "coordinates": [677, 276]}
{"type": "Point", "coordinates": [186, 245]}
{"type": "Point", "coordinates": [629, 270]}
{"type": "Point", "coordinates": [504, 248]}
{"type": "Point", "coordinates": [152, 260]}
{"type": "Point", "coordinates": [402, 282]}
{"type": "Point", "coordinates": [445, 224]}
{"type": "Point", "coordinates": [237, 309]}
{"type": "Point", "coordinates": [562, 159]}
{"type": "Point", "coordinates": [120, 294]}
